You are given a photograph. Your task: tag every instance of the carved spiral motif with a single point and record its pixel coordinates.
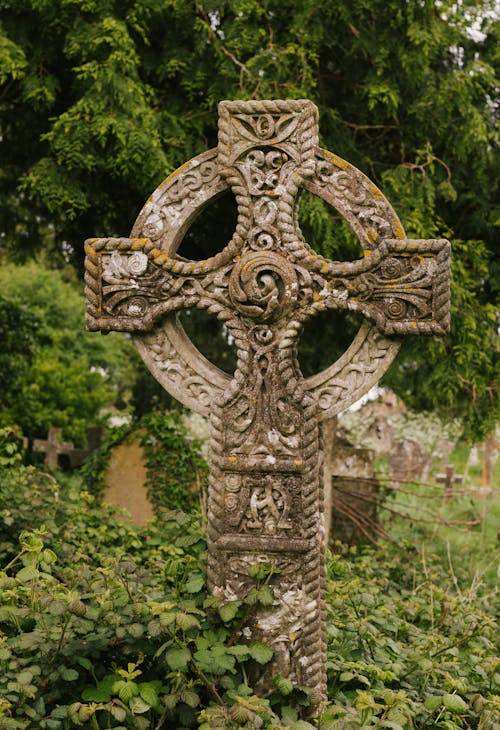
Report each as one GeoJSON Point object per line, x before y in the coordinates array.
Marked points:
{"type": "Point", "coordinates": [137, 263]}
{"type": "Point", "coordinates": [391, 268]}
{"type": "Point", "coordinates": [263, 285]}
{"type": "Point", "coordinates": [136, 306]}
{"type": "Point", "coordinates": [396, 309]}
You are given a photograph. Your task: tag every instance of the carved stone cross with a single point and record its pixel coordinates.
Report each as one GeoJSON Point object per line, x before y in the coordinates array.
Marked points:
{"type": "Point", "coordinates": [52, 447]}
{"type": "Point", "coordinates": [266, 493]}
{"type": "Point", "coordinates": [449, 478]}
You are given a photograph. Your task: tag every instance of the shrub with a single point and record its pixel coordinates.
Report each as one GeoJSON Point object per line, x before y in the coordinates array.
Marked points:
{"type": "Point", "coordinates": [107, 626]}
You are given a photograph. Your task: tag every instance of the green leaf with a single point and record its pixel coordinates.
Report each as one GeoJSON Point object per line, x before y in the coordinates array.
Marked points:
{"type": "Point", "coordinates": [186, 621]}
{"type": "Point", "coordinates": [96, 694]}
{"type": "Point", "coordinates": [284, 685]}
{"type": "Point", "coordinates": [433, 702]}
{"type": "Point", "coordinates": [229, 610]}
{"type": "Point", "coordinates": [30, 572]}
{"type": "Point", "coordinates": [454, 703]}
{"type": "Point", "coordinates": [68, 674]}
{"type": "Point", "coordinates": [138, 705]}
{"type": "Point", "coordinates": [148, 694]}
{"type": "Point", "coordinates": [195, 583]}
{"type": "Point", "coordinates": [125, 690]}
{"type": "Point", "coordinates": [178, 658]}
{"type": "Point", "coordinates": [260, 652]}
{"type": "Point", "coordinates": [215, 660]}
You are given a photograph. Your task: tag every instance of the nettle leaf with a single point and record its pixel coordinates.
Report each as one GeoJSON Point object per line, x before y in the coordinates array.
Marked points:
{"type": "Point", "coordinates": [260, 652]}
{"type": "Point", "coordinates": [178, 658]}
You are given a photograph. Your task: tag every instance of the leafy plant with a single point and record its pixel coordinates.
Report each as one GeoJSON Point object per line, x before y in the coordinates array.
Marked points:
{"type": "Point", "coordinates": [105, 625]}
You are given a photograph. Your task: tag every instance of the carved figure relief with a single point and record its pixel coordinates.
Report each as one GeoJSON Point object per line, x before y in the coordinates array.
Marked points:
{"type": "Point", "coordinates": [266, 501]}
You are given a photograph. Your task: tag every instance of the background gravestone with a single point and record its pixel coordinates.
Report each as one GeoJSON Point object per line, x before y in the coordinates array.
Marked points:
{"type": "Point", "coordinates": [354, 495]}
{"type": "Point", "coordinates": [125, 481]}
{"type": "Point", "coordinates": [408, 461]}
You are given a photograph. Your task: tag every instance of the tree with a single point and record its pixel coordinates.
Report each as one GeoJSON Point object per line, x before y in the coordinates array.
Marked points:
{"type": "Point", "coordinates": [53, 372]}
{"type": "Point", "coordinates": [102, 99]}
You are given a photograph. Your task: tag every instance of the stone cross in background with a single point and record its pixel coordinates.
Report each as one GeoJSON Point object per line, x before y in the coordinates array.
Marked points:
{"type": "Point", "coordinates": [449, 478]}
{"type": "Point", "coordinates": [52, 447]}
{"type": "Point", "coordinates": [266, 490]}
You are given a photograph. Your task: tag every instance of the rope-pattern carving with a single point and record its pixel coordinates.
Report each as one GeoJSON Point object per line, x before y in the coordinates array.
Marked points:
{"type": "Point", "coordinates": [266, 451]}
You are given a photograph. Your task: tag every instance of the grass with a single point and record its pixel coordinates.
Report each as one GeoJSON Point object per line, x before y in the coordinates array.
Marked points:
{"type": "Point", "coordinates": [463, 530]}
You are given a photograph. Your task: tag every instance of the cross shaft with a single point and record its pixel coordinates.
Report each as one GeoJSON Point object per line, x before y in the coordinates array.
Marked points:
{"type": "Point", "coordinates": [266, 490]}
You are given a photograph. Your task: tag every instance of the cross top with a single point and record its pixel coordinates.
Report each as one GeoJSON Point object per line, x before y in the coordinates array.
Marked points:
{"type": "Point", "coordinates": [266, 500]}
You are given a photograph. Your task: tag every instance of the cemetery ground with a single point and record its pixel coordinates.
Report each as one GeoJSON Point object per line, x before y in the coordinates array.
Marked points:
{"type": "Point", "coordinates": [107, 625]}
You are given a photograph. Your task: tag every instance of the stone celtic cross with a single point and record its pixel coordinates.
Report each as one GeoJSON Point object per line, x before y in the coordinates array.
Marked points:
{"type": "Point", "coordinates": [266, 489]}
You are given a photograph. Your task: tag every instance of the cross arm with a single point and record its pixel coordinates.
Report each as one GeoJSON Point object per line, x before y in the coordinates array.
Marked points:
{"type": "Point", "coordinates": [130, 284]}
{"type": "Point", "coordinates": [403, 286]}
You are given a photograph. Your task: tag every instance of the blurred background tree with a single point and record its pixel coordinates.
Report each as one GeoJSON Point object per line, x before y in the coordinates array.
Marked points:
{"type": "Point", "coordinates": [100, 100]}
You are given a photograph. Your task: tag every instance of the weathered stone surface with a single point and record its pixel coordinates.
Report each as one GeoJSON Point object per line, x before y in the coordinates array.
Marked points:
{"type": "Point", "coordinates": [354, 495]}
{"type": "Point", "coordinates": [125, 481]}
{"type": "Point", "coordinates": [448, 478]}
{"type": "Point", "coordinates": [266, 493]}
{"type": "Point", "coordinates": [408, 461]}
{"type": "Point", "coordinates": [52, 447]}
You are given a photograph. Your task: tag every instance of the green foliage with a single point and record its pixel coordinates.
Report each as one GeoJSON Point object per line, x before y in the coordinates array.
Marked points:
{"type": "Point", "coordinates": [176, 473]}
{"type": "Point", "coordinates": [106, 625]}
{"type": "Point", "coordinates": [101, 100]}
{"type": "Point", "coordinates": [54, 373]}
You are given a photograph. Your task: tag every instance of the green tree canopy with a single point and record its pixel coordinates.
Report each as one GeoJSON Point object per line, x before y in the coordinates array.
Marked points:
{"type": "Point", "coordinates": [101, 99]}
{"type": "Point", "coordinates": [53, 372]}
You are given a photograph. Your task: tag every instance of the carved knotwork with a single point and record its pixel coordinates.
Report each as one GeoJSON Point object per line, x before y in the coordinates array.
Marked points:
{"type": "Point", "coordinates": [266, 500]}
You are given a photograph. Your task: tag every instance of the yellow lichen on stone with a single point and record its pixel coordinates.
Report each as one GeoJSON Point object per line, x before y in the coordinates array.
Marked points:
{"type": "Point", "coordinates": [232, 459]}
{"type": "Point", "coordinates": [298, 462]}
{"type": "Point", "coordinates": [371, 236]}
{"type": "Point", "coordinates": [398, 229]}
{"type": "Point", "coordinates": [325, 267]}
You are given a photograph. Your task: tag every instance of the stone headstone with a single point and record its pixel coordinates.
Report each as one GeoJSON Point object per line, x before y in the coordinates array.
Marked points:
{"type": "Point", "coordinates": [407, 461]}
{"type": "Point", "coordinates": [266, 489]}
{"type": "Point", "coordinates": [354, 496]}
{"type": "Point", "coordinates": [380, 434]}
{"type": "Point", "coordinates": [125, 481]}
{"type": "Point", "coordinates": [94, 438]}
